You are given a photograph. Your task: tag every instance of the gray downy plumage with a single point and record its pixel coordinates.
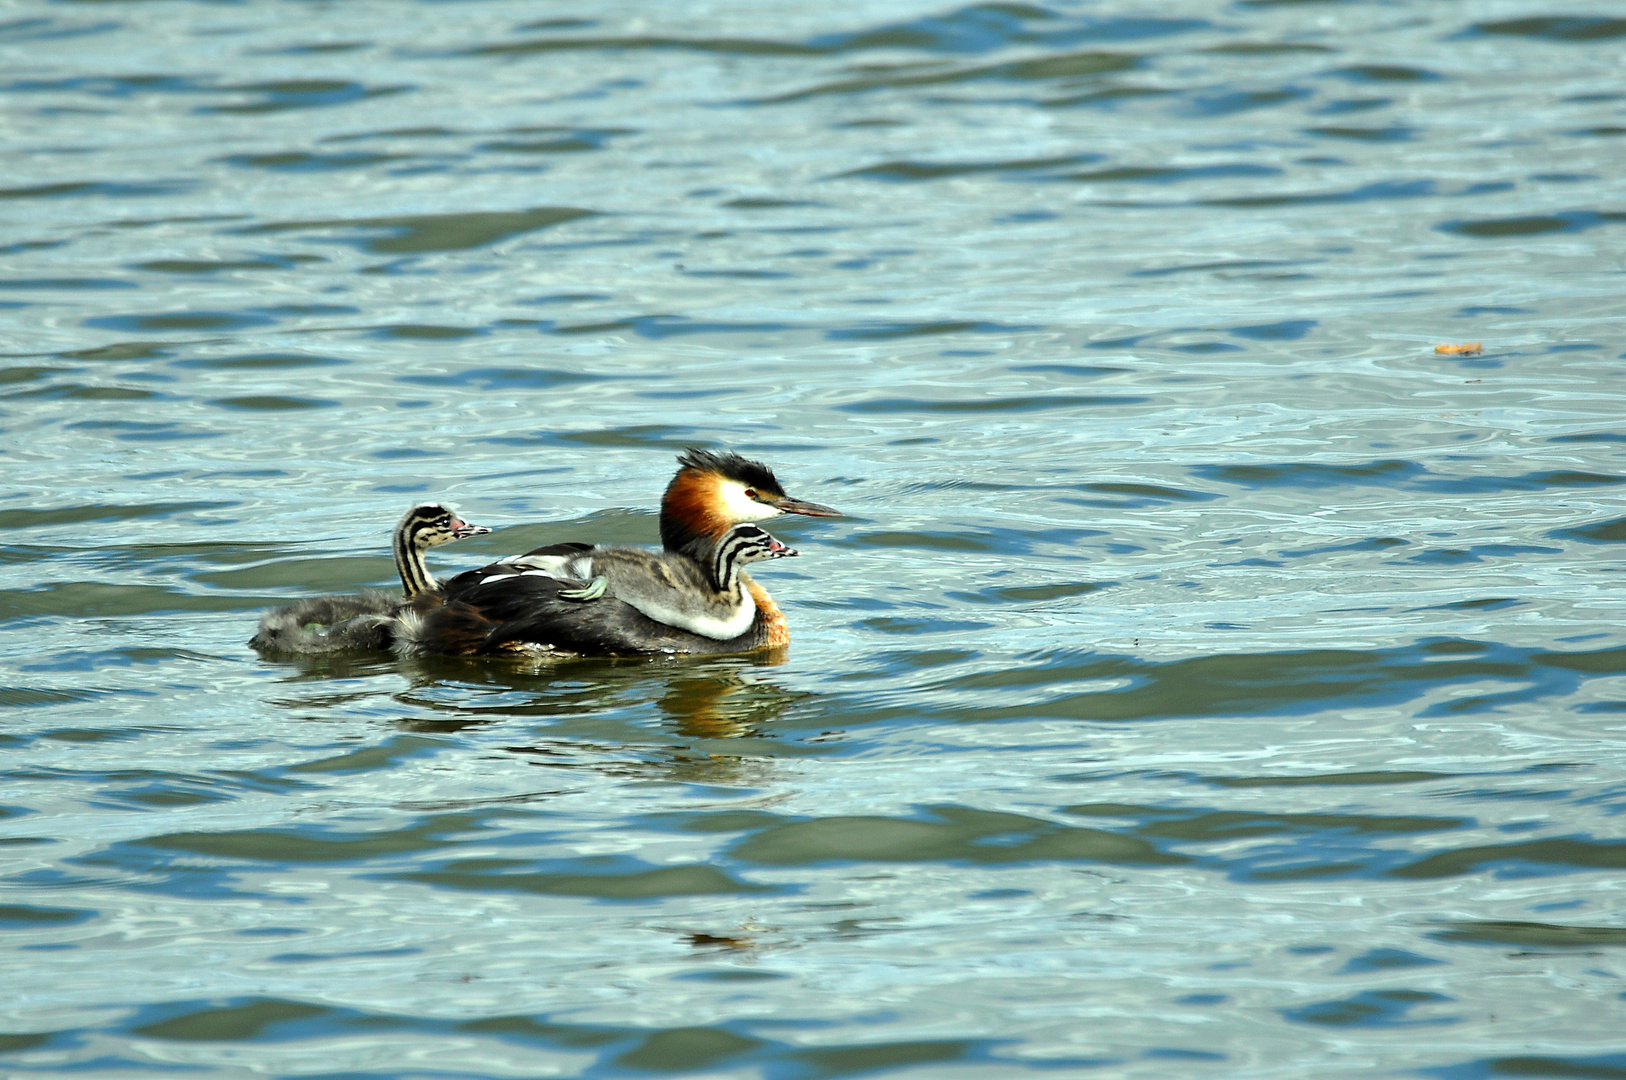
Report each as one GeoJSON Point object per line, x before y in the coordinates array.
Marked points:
{"type": "Point", "coordinates": [369, 619]}
{"type": "Point", "coordinates": [708, 597]}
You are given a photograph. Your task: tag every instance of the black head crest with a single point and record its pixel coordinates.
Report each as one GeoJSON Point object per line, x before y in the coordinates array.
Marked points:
{"type": "Point", "coordinates": [733, 466]}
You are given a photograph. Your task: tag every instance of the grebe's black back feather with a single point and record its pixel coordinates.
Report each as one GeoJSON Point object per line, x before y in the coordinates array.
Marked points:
{"type": "Point", "coordinates": [526, 615]}
{"type": "Point", "coordinates": [569, 547]}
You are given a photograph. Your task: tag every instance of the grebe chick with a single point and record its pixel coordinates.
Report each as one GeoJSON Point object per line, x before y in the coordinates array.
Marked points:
{"type": "Point", "coordinates": [690, 598]}
{"type": "Point", "coordinates": [367, 620]}
{"type": "Point", "coordinates": [712, 599]}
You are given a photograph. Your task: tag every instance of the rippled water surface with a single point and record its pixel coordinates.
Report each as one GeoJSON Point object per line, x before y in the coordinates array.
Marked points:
{"type": "Point", "coordinates": [1209, 678]}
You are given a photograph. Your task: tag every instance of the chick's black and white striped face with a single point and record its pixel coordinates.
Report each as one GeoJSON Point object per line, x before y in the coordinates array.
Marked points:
{"type": "Point", "coordinates": [747, 543]}
{"type": "Point", "coordinates": [431, 525]}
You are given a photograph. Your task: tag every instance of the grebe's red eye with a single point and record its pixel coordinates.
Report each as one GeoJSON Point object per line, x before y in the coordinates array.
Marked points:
{"type": "Point", "coordinates": [750, 493]}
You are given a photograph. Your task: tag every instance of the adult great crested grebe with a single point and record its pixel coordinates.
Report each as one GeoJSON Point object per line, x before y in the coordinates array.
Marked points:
{"type": "Point", "coordinates": [367, 620]}
{"type": "Point", "coordinates": [693, 597]}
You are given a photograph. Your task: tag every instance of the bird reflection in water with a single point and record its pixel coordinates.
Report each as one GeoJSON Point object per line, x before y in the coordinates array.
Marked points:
{"type": "Point", "coordinates": [721, 699]}
{"type": "Point", "coordinates": [721, 704]}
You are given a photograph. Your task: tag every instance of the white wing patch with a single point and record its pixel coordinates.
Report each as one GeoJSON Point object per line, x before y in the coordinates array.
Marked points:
{"type": "Point", "coordinates": [552, 565]}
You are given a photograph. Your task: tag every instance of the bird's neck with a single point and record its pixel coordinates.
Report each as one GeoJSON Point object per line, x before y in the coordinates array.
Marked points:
{"type": "Point", "coordinates": [724, 565]}
{"type": "Point", "coordinates": [414, 570]}
{"type": "Point", "coordinates": [770, 621]}
{"type": "Point", "coordinates": [690, 521]}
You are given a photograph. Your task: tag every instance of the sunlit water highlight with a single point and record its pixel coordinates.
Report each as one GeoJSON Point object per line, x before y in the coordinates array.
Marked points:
{"type": "Point", "coordinates": [1209, 678]}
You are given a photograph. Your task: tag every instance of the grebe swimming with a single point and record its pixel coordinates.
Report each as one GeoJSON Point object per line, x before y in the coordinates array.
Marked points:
{"type": "Point", "coordinates": [692, 597]}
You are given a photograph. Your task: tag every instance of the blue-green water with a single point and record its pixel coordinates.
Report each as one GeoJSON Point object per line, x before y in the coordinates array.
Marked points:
{"type": "Point", "coordinates": [1208, 679]}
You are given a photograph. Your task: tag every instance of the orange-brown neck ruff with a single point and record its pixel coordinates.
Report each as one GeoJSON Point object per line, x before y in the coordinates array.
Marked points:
{"type": "Point", "coordinates": [692, 507]}
{"type": "Point", "coordinates": [771, 623]}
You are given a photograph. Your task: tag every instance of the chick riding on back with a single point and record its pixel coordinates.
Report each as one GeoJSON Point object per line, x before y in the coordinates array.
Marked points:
{"type": "Point", "coordinates": [690, 598]}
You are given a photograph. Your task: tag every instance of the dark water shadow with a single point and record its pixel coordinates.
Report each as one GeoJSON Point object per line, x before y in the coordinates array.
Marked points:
{"type": "Point", "coordinates": [418, 234]}
{"type": "Point", "coordinates": [290, 94]}
{"type": "Point", "coordinates": [1064, 67]}
{"type": "Point", "coordinates": [1277, 683]}
{"type": "Point", "coordinates": [1374, 1009]}
{"type": "Point", "coordinates": [1570, 221]}
{"type": "Point", "coordinates": [736, 1046]}
{"type": "Point", "coordinates": [1564, 28]}
{"type": "Point", "coordinates": [1612, 531]}
{"type": "Point", "coordinates": [1600, 1067]}
{"type": "Point", "coordinates": [974, 29]}
{"type": "Point", "coordinates": [27, 518]}
{"type": "Point", "coordinates": [214, 865]}
{"type": "Point", "coordinates": [1532, 936]}
{"type": "Point", "coordinates": [954, 834]}
{"type": "Point", "coordinates": [28, 916]}
{"type": "Point", "coordinates": [97, 599]}
{"type": "Point", "coordinates": [1283, 847]}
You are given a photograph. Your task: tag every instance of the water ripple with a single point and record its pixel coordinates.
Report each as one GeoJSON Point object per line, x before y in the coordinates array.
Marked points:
{"type": "Point", "coordinates": [1205, 659]}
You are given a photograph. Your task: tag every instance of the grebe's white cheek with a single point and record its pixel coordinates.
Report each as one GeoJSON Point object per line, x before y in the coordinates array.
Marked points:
{"type": "Point", "coordinates": [741, 507]}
